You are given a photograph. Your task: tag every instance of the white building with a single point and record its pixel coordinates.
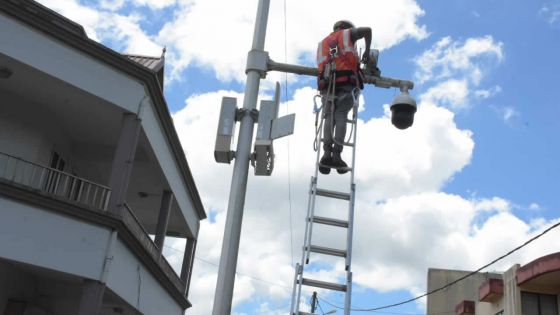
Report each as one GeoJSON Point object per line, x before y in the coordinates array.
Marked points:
{"type": "Point", "coordinates": [90, 167]}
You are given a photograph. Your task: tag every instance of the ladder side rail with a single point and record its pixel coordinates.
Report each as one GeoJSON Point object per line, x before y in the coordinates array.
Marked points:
{"type": "Point", "coordinates": [294, 309]}
{"type": "Point", "coordinates": [348, 297]}
{"type": "Point", "coordinates": [350, 230]}
{"type": "Point", "coordinates": [311, 204]}
{"type": "Point", "coordinates": [308, 222]}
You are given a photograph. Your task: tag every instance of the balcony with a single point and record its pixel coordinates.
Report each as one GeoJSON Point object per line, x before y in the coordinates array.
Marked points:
{"type": "Point", "coordinates": [54, 183]}
{"type": "Point", "coordinates": [86, 196]}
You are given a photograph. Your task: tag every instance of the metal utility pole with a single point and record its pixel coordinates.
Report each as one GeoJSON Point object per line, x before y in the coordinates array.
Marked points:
{"type": "Point", "coordinates": [230, 246]}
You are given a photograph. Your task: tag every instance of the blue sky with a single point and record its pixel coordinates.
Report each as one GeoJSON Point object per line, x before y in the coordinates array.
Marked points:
{"type": "Point", "coordinates": [474, 177]}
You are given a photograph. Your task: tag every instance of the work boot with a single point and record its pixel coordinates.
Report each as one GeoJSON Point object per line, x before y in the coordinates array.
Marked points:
{"type": "Point", "coordinates": [338, 163]}
{"type": "Point", "coordinates": [325, 160]}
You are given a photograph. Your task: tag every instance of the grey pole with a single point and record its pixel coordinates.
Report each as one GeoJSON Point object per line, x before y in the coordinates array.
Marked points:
{"type": "Point", "coordinates": [232, 233]}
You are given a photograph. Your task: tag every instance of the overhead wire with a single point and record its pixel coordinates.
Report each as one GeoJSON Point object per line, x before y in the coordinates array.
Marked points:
{"type": "Point", "coordinates": [237, 273]}
{"type": "Point", "coordinates": [456, 280]}
{"type": "Point", "coordinates": [286, 99]}
{"type": "Point", "coordinates": [376, 309]}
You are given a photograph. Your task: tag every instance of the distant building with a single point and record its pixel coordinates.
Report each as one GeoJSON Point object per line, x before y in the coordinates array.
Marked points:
{"type": "Point", "coordinates": [532, 289]}
{"type": "Point", "coordinates": [91, 168]}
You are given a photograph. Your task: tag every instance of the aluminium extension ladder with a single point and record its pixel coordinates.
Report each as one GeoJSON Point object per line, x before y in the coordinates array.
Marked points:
{"type": "Point", "coordinates": [308, 247]}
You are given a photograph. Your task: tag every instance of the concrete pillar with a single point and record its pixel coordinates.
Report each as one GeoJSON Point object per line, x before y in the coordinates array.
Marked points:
{"type": "Point", "coordinates": [123, 161]}
{"type": "Point", "coordinates": [512, 293]}
{"type": "Point", "coordinates": [92, 298]}
{"type": "Point", "coordinates": [163, 218]}
{"type": "Point", "coordinates": [188, 260]}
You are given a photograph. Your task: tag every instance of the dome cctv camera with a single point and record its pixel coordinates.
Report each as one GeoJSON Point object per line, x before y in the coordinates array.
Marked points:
{"type": "Point", "coordinates": [403, 110]}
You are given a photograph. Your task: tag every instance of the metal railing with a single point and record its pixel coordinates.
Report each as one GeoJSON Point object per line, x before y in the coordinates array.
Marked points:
{"type": "Point", "coordinates": [53, 182]}
{"type": "Point", "coordinates": [134, 225]}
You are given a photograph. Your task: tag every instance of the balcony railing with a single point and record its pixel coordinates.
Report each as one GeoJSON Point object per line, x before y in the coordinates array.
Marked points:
{"type": "Point", "coordinates": [133, 224]}
{"type": "Point", "coordinates": [53, 182]}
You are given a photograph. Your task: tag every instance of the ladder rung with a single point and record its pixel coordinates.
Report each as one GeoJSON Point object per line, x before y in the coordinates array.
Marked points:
{"type": "Point", "coordinates": [327, 251]}
{"type": "Point", "coordinates": [351, 121]}
{"type": "Point", "coordinates": [332, 194]}
{"type": "Point", "coordinates": [324, 285]}
{"type": "Point", "coordinates": [305, 313]}
{"type": "Point", "coordinates": [329, 221]}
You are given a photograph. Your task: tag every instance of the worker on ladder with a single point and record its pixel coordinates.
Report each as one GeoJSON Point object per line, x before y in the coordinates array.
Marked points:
{"type": "Point", "coordinates": [339, 83]}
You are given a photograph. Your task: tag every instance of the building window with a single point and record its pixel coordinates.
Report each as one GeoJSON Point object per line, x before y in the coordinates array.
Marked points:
{"type": "Point", "coordinates": [53, 177]}
{"type": "Point", "coordinates": [538, 304]}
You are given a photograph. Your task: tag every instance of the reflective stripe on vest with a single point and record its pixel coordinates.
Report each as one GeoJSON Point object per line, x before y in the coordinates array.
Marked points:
{"type": "Point", "coordinates": [320, 57]}
{"type": "Point", "coordinates": [347, 58]}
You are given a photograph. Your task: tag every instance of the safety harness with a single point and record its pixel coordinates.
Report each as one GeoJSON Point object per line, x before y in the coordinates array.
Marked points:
{"type": "Point", "coordinates": [327, 93]}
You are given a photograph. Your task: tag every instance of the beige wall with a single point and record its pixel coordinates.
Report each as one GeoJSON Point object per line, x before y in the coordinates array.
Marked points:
{"type": "Point", "coordinates": [512, 295]}
{"type": "Point", "coordinates": [446, 300]}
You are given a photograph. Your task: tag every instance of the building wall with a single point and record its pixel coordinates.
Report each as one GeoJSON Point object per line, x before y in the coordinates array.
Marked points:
{"type": "Point", "coordinates": [46, 239]}
{"type": "Point", "coordinates": [42, 295]}
{"type": "Point", "coordinates": [30, 132]}
{"type": "Point", "coordinates": [512, 294]}
{"type": "Point", "coordinates": [446, 300]}
{"type": "Point", "coordinates": [133, 283]}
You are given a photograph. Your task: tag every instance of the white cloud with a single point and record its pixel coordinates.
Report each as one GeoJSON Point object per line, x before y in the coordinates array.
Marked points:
{"type": "Point", "coordinates": [451, 93]}
{"type": "Point", "coordinates": [404, 222]}
{"type": "Point", "coordinates": [111, 5]}
{"type": "Point", "coordinates": [487, 93]}
{"type": "Point", "coordinates": [155, 4]}
{"type": "Point", "coordinates": [506, 113]}
{"type": "Point", "coordinates": [217, 34]}
{"type": "Point", "coordinates": [498, 204]}
{"type": "Point", "coordinates": [106, 25]}
{"type": "Point", "coordinates": [455, 69]}
{"type": "Point", "coordinates": [551, 13]}
{"type": "Point", "coordinates": [448, 58]}
{"type": "Point", "coordinates": [534, 206]}
{"type": "Point", "coordinates": [509, 113]}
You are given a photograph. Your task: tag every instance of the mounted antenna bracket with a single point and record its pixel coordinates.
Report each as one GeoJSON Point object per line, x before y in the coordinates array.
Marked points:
{"type": "Point", "coordinates": [226, 130]}
{"type": "Point", "coordinates": [270, 128]}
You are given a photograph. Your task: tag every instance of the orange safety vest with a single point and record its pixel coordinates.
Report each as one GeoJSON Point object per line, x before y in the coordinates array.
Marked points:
{"type": "Point", "coordinates": [338, 47]}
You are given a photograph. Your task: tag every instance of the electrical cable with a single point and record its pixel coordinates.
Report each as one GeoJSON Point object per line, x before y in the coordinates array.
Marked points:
{"type": "Point", "coordinates": [237, 273]}
{"type": "Point", "coordinates": [286, 99]}
{"type": "Point", "coordinates": [392, 313]}
{"type": "Point", "coordinates": [319, 305]}
{"type": "Point", "coordinates": [455, 281]}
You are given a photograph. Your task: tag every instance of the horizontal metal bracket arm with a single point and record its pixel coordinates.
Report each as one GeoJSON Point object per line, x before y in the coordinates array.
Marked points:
{"type": "Point", "coordinates": [382, 82]}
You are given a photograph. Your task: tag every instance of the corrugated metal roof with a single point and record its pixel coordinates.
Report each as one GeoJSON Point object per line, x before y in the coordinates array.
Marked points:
{"type": "Point", "coordinates": [152, 63]}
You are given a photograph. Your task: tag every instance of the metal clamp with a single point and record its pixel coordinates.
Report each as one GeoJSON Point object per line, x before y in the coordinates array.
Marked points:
{"type": "Point", "coordinates": [257, 60]}
{"type": "Point", "coordinates": [242, 112]}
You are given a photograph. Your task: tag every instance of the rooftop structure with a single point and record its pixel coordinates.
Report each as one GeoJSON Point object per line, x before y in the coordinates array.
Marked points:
{"type": "Point", "coordinates": [532, 289]}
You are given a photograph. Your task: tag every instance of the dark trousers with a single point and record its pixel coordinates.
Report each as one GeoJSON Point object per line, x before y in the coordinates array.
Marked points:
{"type": "Point", "coordinates": [335, 118]}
